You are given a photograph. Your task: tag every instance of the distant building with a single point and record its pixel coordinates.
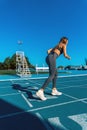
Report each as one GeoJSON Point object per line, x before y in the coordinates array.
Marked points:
{"type": "Point", "coordinates": [85, 67]}
{"type": "Point", "coordinates": [74, 67]}
{"type": "Point", "coordinates": [41, 69]}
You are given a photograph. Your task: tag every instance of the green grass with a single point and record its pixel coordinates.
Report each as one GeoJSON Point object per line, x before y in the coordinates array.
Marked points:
{"type": "Point", "coordinates": [10, 72]}
{"type": "Point", "coordinates": [13, 72]}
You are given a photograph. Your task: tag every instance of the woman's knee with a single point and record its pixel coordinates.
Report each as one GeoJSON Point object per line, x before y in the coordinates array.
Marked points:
{"type": "Point", "coordinates": [52, 76]}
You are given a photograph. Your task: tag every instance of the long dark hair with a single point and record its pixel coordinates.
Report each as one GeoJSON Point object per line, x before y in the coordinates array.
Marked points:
{"type": "Point", "coordinates": [62, 40]}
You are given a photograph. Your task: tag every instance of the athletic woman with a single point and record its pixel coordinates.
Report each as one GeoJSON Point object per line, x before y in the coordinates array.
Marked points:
{"type": "Point", "coordinates": [53, 54]}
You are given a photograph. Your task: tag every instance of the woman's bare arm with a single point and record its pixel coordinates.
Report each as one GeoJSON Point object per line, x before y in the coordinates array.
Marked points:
{"type": "Point", "coordinates": [65, 53]}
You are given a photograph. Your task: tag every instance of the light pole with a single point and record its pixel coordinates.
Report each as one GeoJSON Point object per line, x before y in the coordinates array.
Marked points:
{"type": "Point", "coordinates": [20, 44]}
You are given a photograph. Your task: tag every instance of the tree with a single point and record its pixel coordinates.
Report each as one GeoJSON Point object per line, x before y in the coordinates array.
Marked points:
{"type": "Point", "coordinates": [1, 66]}
{"type": "Point", "coordinates": [86, 61]}
{"type": "Point", "coordinates": [13, 62]}
{"type": "Point", "coordinates": [6, 63]}
{"type": "Point", "coordinates": [29, 64]}
{"type": "Point", "coordinates": [10, 63]}
{"type": "Point", "coordinates": [61, 67]}
{"type": "Point", "coordinates": [68, 67]}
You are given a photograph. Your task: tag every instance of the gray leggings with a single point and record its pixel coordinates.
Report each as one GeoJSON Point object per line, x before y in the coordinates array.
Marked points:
{"type": "Point", "coordinates": [51, 61]}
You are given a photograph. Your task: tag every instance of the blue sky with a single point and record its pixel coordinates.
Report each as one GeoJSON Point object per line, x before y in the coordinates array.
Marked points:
{"type": "Point", "coordinates": [40, 24]}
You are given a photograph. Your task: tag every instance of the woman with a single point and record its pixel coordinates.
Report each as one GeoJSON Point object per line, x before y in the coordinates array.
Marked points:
{"type": "Point", "coordinates": [51, 61]}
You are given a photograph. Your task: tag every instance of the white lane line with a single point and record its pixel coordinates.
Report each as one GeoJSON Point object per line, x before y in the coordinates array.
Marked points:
{"type": "Point", "coordinates": [29, 78]}
{"type": "Point", "coordinates": [71, 86]}
{"type": "Point", "coordinates": [67, 88]}
{"type": "Point", "coordinates": [77, 75]}
{"type": "Point", "coordinates": [60, 104]}
{"type": "Point", "coordinates": [19, 93]}
{"type": "Point", "coordinates": [5, 87]}
{"type": "Point", "coordinates": [72, 80]}
{"type": "Point", "coordinates": [2, 95]}
{"type": "Point", "coordinates": [74, 86]}
{"type": "Point", "coordinates": [27, 101]}
{"type": "Point", "coordinates": [35, 83]}
{"type": "Point", "coordinates": [43, 121]}
{"type": "Point", "coordinates": [56, 124]}
{"type": "Point", "coordinates": [59, 81]}
{"type": "Point", "coordinates": [22, 94]}
{"type": "Point", "coordinates": [48, 97]}
{"type": "Point", "coordinates": [81, 119]}
{"type": "Point", "coordinates": [12, 114]}
{"type": "Point", "coordinates": [42, 108]}
{"type": "Point", "coordinates": [74, 97]}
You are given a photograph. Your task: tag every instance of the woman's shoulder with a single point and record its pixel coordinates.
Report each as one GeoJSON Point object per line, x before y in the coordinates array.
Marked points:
{"type": "Point", "coordinates": [61, 45]}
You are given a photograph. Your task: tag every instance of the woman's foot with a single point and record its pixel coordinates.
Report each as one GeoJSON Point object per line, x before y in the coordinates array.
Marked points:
{"type": "Point", "coordinates": [40, 94]}
{"type": "Point", "coordinates": [56, 92]}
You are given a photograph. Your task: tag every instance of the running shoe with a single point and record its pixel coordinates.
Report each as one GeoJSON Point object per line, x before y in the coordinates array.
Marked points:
{"type": "Point", "coordinates": [56, 92]}
{"type": "Point", "coordinates": [40, 94]}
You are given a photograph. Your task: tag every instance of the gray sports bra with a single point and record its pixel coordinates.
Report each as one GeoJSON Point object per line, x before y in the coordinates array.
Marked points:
{"type": "Point", "coordinates": [60, 49]}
